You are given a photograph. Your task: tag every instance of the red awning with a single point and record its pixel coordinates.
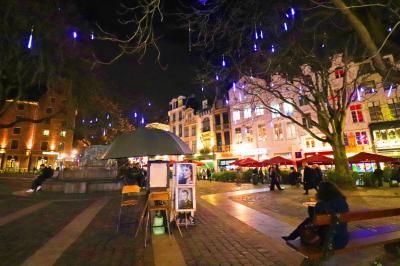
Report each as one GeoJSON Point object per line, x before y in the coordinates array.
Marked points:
{"type": "Point", "coordinates": [365, 157]}
{"type": "Point", "coordinates": [277, 160]}
{"type": "Point", "coordinates": [318, 159]}
{"type": "Point", "coordinates": [248, 162]}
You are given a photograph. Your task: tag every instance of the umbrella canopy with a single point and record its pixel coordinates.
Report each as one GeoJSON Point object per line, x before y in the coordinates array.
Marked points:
{"type": "Point", "coordinates": [365, 157]}
{"type": "Point", "coordinates": [277, 160]}
{"type": "Point", "coordinates": [195, 162]}
{"type": "Point", "coordinates": [318, 159]}
{"type": "Point", "coordinates": [237, 162]}
{"type": "Point", "coordinates": [146, 142]}
{"type": "Point", "coordinates": [248, 162]}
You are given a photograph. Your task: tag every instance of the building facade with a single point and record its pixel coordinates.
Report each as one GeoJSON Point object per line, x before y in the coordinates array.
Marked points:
{"type": "Point", "coordinates": [26, 145]}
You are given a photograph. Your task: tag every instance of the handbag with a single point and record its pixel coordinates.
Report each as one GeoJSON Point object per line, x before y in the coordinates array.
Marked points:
{"type": "Point", "coordinates": [309, 235]}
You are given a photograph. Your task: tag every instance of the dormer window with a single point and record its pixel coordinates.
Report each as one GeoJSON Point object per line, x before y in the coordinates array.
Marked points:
{"type": "Point", "coordinates": [204, 104]}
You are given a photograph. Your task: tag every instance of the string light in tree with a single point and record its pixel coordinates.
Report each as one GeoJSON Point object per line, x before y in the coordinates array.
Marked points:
{"type": "Point", "coordinates": [216, 77]}
{"type": "Point", "coordinates": [390, 90]}
{"type": "Point", "coordinates": [234, 86]}
{"type": "Point", "coordinates": [135, 114]}
{"type": "Point", "coordinates": [285, 26]}
{"type": "Point", "coordinates": [223, 61]}
{"type": "Point", "coordinates": [358, 95]}
{"type": "Point", "coordinates": [287, 15]}
{"type": "Point", "coordinates": [29, 45]}
{"type": "Point", "coordinates": [92, 36]}
{"type": "Point", "coordinates": [189, 37]}
{"type": "Point", "coordinates": [142, 121]}
{"type": "Point", "coordinates": [109, 124]}
{"type": "Point", "coordinates": [74, 35]}
{"type": "Point", "coordinates": [292, 12]}
{"type": "Point", "coordinates": [261, 34]}
{"type": "Point", "coordinates": [149, 104]}
{"type": "Point", "coordinates": [272, 48]}
{"type": "Point", "coordinates": [202, 85]}
{"type": "Point", "coordinates": [389, 29]}
{"type": "Point", "coordinates": [255, 48]}
{"type": "Point", "coordinates": [255, 32]}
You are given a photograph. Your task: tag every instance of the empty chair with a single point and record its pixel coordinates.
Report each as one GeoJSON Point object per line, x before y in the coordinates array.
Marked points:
{"type": "Point", "coordinates": [126, 200]}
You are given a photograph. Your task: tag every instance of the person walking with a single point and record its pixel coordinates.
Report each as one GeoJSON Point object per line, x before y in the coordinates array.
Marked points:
{"type": "Point", "coordinates": [308, 178]}
{"type": "Point", "coordinates": [275, 175]}
{"type": "Point", "coordinates": [378, 175]}
{"type": "Point", "coordinates": [318, 175]}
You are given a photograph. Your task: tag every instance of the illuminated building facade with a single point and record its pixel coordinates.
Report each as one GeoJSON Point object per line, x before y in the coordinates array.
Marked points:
{"type": "Point", "coordinates": [26, 145]}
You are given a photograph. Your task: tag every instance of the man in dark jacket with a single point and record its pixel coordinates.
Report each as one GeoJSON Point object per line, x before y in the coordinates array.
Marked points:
{"type": "Point", "coordinates": [45, 172]}
{"type": "Point", "coordinates": [318, 175]}
{"type": "Point", "coordinates": [378, 175]}
{"type": "Point", "coordinates": [308, 178]}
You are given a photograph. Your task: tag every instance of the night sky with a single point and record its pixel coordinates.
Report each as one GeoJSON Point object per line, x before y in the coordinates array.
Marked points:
{"type": "Point", "coordinates": [129, 80]}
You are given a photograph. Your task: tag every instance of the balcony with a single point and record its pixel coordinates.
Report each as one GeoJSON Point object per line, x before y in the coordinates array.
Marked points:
{"type": "Point", "coordinates": [223, 148]}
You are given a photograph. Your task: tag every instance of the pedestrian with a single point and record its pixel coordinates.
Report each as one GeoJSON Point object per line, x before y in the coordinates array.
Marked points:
{"type": "Point", "coordinates": [261, 175]}
{"type": "Point", "coordinates": [294, 176]}
{"type": "Point", "coordinates": [44, 173]}
{"type": "Point", "coordinates": [208, 174]}
{"type": "Point", "coordinates": [308, 178]}
{"type": "Point", "coordinates": [329, 200]}
{"type": "Point", "coordinates": [378, 175]}
{"type": "Point", "coordinates": [318, 175]}
{"type": "Point", "coordinates": [275, 174]}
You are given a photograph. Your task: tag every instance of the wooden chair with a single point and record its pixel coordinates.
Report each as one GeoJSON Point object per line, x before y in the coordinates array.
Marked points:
{"type": "Point", "coordinates": [152, 207]}
{"type": "Point", "coordinates": [126, 201]}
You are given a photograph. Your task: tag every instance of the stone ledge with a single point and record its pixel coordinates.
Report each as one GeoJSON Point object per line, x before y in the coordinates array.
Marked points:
{"type": "Point", "coordinates": [81, 186]}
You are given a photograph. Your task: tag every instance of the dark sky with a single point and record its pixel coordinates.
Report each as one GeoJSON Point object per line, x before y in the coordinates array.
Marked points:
{"type": "Point", "coordinates": [130, 80]}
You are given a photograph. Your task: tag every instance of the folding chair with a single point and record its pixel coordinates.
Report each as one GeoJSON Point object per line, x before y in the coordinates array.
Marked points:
{"type": "Point", "coordinates": [163, 197]}
{"type": "Point", "coordinates": [125, 202]}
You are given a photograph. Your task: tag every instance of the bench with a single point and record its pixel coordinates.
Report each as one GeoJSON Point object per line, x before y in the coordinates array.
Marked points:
{"type": "Point", "coordinates": [362, 238]}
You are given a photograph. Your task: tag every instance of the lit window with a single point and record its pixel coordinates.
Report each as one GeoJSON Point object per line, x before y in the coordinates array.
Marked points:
{"type": "Point", "coordinates": [44, 145]}
{"type": "Point", "coordinates": [46, 132]}
{"type": "Point", "coordinates": [247, 112]}
{"type": "Point", "coordinates": [63, 134]}
{"type": "Point", "coordinates": [278, 133]}
{"type": "Point", "coordinates": [236, 115]}
{"type": "Point", "coordinates": [288, 108]}
{"type": "Point", "coordinates": [259, 110]}
{"type": "Point", "coordinates": [61, 146]}
{"type": "Point", "coordinates": [307, 121]}
{"type": "Point", "coordinates": [238, 135]}
{"type": "Point", "coordinates": [291, 131]}
{"type": "Point", "coordinates": [262, 133]}
{"type": "Point", "coordinates": [249, 134]}
{"type": "Point", "coordinates": [356, 113]}
{"type": "Point", "coordinates": [362, 138]}
{"type": "Point", "coordinates": [275, 114]}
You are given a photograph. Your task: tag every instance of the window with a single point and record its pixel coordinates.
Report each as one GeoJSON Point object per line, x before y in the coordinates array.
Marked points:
{"type": "Point", "coordinates": [186, 132]}
{"type": "Point", "coordinates": [356, 113]}
{"type": "Point", "coordinates": [394, 107]}
{"type": "Point", "coordinates": [16, 130]}
{"type": "Point", "coordinates": [53, 100]}
{"type": "Point", "coordinates": [259, 110]}
{"type": "Point", "coordinates": [173, 117]}
{"type": "Point", "coordinates": [206, 124]}
{"type": "Point", "coordinates": [63, 133]}
{"type": "Point", "coordinates": [307, 122]}
{"type": "Point", "coordinates": [291, 130]}
{"type": "Point", "coordinates": [236, 115]}
{"type": "Point", "coordinates": [180, 116]}
{"type": "Point", "coordinates": [217, 120]}
{"type": "Point", "coordinates": [61, 146]}
{"type": "Point", "coordinates": [225, 118]}
{"type": "Point", "coordinates": [310, 143]}
{"type": "Point", "coordinates": [44, 145]}
{"type": "Point", "coordinates": [345, 139]}
{"type": "Point", "coordinates": [49, 110]}
{"type": "Point", "coordinates": [249, 134]}
{"type": "Point", "coordinates": [180, 131]}
{"type": "Point", "coordinates": [194, 131]}
{"type": "Point", "coordinates": [247, 112]}
{"type": "Point", "coordinates": [303, 100]}
{"type": "Point", "coordinates": [14, 144]}
{"type": "Point", "coordinates": [275, 114]}
{"type": "Point", "coordinates": [261, 132]}
{"type": "Point", "coordinates": [339, 72]}
{"type": "Point", "coordinates": [219, 139]}
{"type": "Point", "coordinates": [288, 108]}
{"type": "Point", "coordinates": [46, 132]}
{"type": "Point", "coordinates": [227, 138]}
{"type": "Point", "coordinates": [194, 146]}
{"type": "Point", "coordinates": [238, 135]}
{"type": "Point", "coordinates": [375, 111]}
{"type": "Point", "coordinates": [204, 104]}
{"type": "Point", "coordinates": [20, 107]}
{"type": "Point", "coordinates": [362, 138]}
{"type": "Point", "coordinates": [174, 130]}
{"type": "Point", "coordinates": [278, 133]}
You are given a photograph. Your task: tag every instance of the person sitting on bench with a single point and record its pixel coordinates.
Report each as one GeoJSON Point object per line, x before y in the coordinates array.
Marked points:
{"type": "Point", "coordinates": [329, 200]}
{"type": "Point", "coordinates": [45, 172]}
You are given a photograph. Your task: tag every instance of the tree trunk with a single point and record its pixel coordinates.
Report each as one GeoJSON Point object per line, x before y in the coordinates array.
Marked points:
{"type": "Point", "coordinates": [341, 161]}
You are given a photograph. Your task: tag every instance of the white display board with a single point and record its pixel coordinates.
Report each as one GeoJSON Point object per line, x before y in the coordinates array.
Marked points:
{"type": "Point", "coordinates": [158, 174]}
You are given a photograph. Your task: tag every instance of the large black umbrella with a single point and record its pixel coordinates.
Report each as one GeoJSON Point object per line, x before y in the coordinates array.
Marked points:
{"type": "Point", "coordinates": [146, 142]}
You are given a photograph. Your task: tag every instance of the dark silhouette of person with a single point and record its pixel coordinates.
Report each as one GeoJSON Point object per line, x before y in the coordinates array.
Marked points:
{"type": "Point", "coordinates": [45, 172]}
{"type": "Point", "coordinates": [275, 175]}
{"type": "Point", "coordinates": [294, 176]}
{"type": "Point", "coordinates": [308, 178]}
{"type": "Point", "coordinates": [378, 175]}
{"type": "Point", "coordinates": [329, 200]}
{"type": "Point", "coordinates": [318, 175]}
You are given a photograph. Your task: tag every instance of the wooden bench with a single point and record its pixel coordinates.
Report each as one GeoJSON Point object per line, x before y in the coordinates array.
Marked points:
{"type": "Point", "coordinates": [360, 238]}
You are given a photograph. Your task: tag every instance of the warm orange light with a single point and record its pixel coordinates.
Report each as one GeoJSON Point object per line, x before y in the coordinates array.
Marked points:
{"type": "Point", "coordinates": [52, 146]}
{"type": "Point", "coordinates": [29, 143]}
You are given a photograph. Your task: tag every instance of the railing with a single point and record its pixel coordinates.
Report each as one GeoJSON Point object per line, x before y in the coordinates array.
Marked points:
{"type": "Point", "coordinates": [223, 148]}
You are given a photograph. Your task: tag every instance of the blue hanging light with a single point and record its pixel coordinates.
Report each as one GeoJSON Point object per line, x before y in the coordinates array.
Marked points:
{"type": "Point", "coordinates": [255, 32]}
{"type": "Point", "coordinates": [255, 48]}
{"type": "Point", "coordinates": [390, 90]}
{"type": "Point", "coordinates": [292, 11]}
{"type": "Point", "coordinates": [389, 29]}
{"type": "Point", "coordinates": [272, 49]}
{"type": "Point", "coordinates": [358, 95]}
{"type": "Point", "coordinates": [135, 115]}
{"type": "Point", "coordinates": [149, 104]}
{"type": "Point", "coordinates": [261, 34]}
{"type": "Point", "coordinates": [29, 46]}
{"type": "Point", "coordinates": [216, 77]}
{"type": "Point", "coordinates": [142, 121]}
{"type": "Point", "coordinates": [74, 35]}
{"type": "Point", "coordinates": [223, 61]}
{"type": "Point", "coordinates": [92, 36]}
{"type": "Point", "coordinates": [234, 86]}
{"type": "Point", "coordinates": [287, 15]}
{"type": "Point", "coordinates": [285, 26]}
